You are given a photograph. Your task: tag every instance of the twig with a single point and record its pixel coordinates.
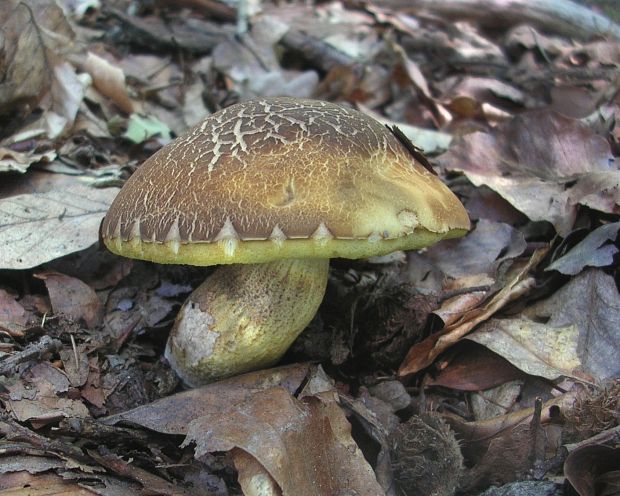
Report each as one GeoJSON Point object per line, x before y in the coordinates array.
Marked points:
{"type": "Point", "coordinates": [32, 352]}
{"type": "Point", "coordinates": [316, 51]}
{"type": "Point", "coordinates": [609, 437]}
{"type": "Point", "coordinates": [14, 431]}
{"type": "Point", "coordinates": [155, 484]}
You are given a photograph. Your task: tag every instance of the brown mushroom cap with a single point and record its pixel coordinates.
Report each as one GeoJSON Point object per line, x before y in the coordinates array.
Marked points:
{"type": "Point", "coordinates": [280, 178]}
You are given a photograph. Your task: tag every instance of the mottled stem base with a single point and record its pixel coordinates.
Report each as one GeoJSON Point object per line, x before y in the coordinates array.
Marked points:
{"type": "Point", "coordinates": [244, 317]}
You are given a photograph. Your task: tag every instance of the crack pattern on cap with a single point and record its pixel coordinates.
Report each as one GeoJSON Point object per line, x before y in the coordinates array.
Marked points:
{"type": "Point", "coordinates": [281, 169]}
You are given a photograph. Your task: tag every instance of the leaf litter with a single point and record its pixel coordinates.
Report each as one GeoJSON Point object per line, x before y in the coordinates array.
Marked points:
{"type": "Point", "coordinates": [502, 342]}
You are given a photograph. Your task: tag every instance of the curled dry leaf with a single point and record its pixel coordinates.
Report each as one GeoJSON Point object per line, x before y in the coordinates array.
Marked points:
{"type": "Point", "coordinates": [594, 470]}
{"type": "Point", "coordinates": [422, 354]}
{"type": "Point", "coordinates": [474, 368]}
{"type": "Point", "coordinates": [13, 161]}
{"type": "Point", "coordinates": [503, 448]}
{"type": "Point", "coordinates": [293, 440]}
{"type": "Point", "coordinates": [109, 81]}
{"type": "Point", "coordinates": [544, 164]}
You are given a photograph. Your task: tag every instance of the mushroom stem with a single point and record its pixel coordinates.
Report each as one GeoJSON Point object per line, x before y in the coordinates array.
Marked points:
{"type": "Point", "coordinates": [244, 317]}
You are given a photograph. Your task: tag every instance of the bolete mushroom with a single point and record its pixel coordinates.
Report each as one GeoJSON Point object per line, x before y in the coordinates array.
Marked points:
{"type": "Point", "coordinates": [271, 190]}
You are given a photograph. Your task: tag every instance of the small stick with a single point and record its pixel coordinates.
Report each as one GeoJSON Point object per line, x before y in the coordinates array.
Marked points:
{"type": "Point", "coordinates": [33, 351]}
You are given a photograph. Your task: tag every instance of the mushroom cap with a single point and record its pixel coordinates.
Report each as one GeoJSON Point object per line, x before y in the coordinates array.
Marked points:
{"type": "Point", "coordinates": [281, 178]}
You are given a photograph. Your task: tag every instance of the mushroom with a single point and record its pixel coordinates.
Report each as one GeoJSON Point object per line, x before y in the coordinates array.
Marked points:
{"type": "Point", "coordinates": [270, 190]}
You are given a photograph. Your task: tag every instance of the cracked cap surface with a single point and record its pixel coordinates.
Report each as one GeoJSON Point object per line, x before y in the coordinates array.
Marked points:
{"type": "Point", "coordinates": [280, 178]}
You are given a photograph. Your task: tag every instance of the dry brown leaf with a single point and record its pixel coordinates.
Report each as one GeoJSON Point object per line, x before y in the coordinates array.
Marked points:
{"type": "Point", "coordinates": [592, 303]}
{"type": "Point", "coordinates": [36, 398]}
{"type": "Point", "coordinates": [109, 81]}
{"type": "Point", "coordinates": [305, 445]}
{"type": "Point", "coordinates": [172, 415]}
{"type": "Point", "coordinates": [24, 483]}
{"type": "Point", "coordinates": [13, 161]}
{"type": "Point", "coordinates": [73, 298]}
{"type": "Point", "coordinates": [474, 368]}
{"type": "Point", "coordinates": [11, 312]}
{"type": "Point", "coordinates": [422, 354]}
{"type": "Point", "coordinates": [594, 470]}
{"type": "Point", "coordinates": [544, 164]}
{"type": "Point", "coordinates": [499, 449]}
{"type": "Point", "coordinates": [36, 32]}
{"type": "Point", "coordinates": [537, 349]}
{"type": "Point", "coordinates": [595, 250]}
{"type": "Point", "coordinates": [41, 226]}
{"type": "Point", "coordinates": [480, 252]}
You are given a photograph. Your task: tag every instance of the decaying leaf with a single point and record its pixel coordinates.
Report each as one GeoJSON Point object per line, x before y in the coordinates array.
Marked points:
{"type": "Point", "coordinates": [12, 161]}
{"type": "Point", "coordinates": [109, 81]}
{"type": "Point", "coordinates": [35, 32]}
{"type": "Point", "coordinates": [304, 445]}
{"type": "Point", "coordinates": [40, 397]}
{"type": "Point", "coordinates": [422, 354]}
{"type": "Point", "coordinates": [591, 302]}
{"type": "Point", "coordinates": [594, 470]}
{"type": "Point", "coordinates": [544, 164]}
{"type": "Point", "coordinates": [593, 251]}
{"type": "Point", "coordinates": [480, 252]}
{"type": "Point", "coordinates": [73, 298]}
{"type": "Point", "coordinates": [535, 348]}
{"type": "Point", "coordinates": [38, 227]}
{"type": "Point", "coordinates": [500, 449]}
{"type": "Point", "coordinates": [11, 312]}
{"type": "Point", "coordinates": [474, 368]}
{"type": "Point", "coordinates": [172, 415]}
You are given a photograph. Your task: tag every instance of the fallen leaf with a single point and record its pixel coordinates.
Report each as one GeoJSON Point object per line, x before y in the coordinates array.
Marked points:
{"type": "Point", "coordinates": [173, 414]}
{"type": "Point", "coordinates": [73, 298]}
{"type": "Point", "coordinates": [422, 354]}
{"type": "Point", "coordinates": [25, 483]}
{"type": "Point", "coordinates": [292, 439]}
{"type": "Point", "coordinates": [480, 252]}
{"type": "Point", "coordinates": [36, 32]}
{"type": "Point", "coordinates": [589, 301]}
{"type": "Point", "coordinates": [592, 251]}
{"type": "Point", "coordinates": [496, 401]}
{"type": "Point", "coordinates": [141, 128]}
{"type": "Point", "coordinates": [12, 161]}
{"type": "Point", "coordinates": [67, 92]}
{"type": "Point", "coordinates": [38, 227]}
{"type": "Point", "coordinates": [109, 81]}
{"type": "Point", "coordinates": [474, 368]}
{"type": "Point", "coordinates": [11, 312]}
{"type": "Point", "coordinates": [537, 349]}
{"type": "Point", "coordinates": [75, 363]}
{"type": "Point", "coordinates": [544, 164]}
{"type": "Point", "coordinates": [37, 397]}
{"type": "Point", "coordinates": [502, 449]}
{"type": "Point", "coordinates": [593, 470]}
